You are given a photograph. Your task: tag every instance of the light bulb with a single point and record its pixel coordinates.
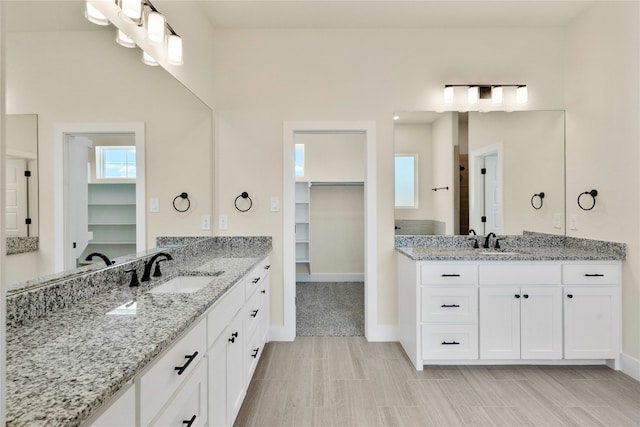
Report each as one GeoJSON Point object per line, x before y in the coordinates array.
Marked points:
{"type": "Point", "coordinates": [448, 95]}
{"type": "Point", "coordinates": [148, 59]}
{"type": "Point", "coordinates": [124, 40]}
{"type": "Point", "coordinates": [156, 25]}
{"type": "Point", "coordinates": [174, 49]}
{"type": "Point", "coordinates": [132, 8]}
{"type": "Point", "coordinates": [94, 15]}
{"type": "Point", "coordinates": [497, 94]}
{"type": "Point", "coordinates": [522, 95]}
{"type": "Point", "coordinates": [473, 95]}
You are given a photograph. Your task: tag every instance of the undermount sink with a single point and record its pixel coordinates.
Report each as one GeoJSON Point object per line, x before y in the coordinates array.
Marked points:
{"type": "Point", "coordinates": [498, 253]}
{"type": "Point", "coordinates": [183, 284]}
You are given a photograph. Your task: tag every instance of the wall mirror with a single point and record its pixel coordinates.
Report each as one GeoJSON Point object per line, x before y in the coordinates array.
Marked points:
{"type": "Point", "coordinates": [21, 165]}
{"type": "Point", "coordinates": [74, 76]}
{"type": "Point", "coordinates": [501, 172]}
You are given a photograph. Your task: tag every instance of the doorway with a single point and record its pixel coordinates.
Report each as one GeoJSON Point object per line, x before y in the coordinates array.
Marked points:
{"type": "Point", "coordinates": [288, 331]}
{"type": "Point", "coordinates": [486, 189]}
{"type": "Point", "coordinates": [111, 226]}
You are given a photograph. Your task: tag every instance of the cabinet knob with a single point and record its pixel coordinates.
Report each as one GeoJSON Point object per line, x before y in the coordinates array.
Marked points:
{"type": "Point", "coordinates": [525, 296]}
{"type": "Point", "coordinates": [233, 337]}
{"type": "Point", "coordinates": [569, 295]}
{"type": "Point", "coordinates": [256, 280]}
{"type": "Point", "coordinates": [266, 267]}
{"type": "Point", "coordinates": [264, 291]}
{"type": "Point", "coordinates": [517, 295]}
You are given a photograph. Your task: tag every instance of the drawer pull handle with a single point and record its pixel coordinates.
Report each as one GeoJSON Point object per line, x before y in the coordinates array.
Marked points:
{"type": "Point", "coordinates": [254, 313]}
{"type": "Point", "coordinates": [189, 422]}
{"type": "Point", "coordinates": [233, 337]}
{"type": "Point", "coordinates": [190, 358]}
{"type": "Point", "coordinates": [593, 275]}
{"type": "Point", "coordinates": [266, 267]}
{"type": "Point", "coordinates": [569, 295]}
{"type": "Point", "coordinates": [450, 343]}
{"type": "Point", "coordinates": [255, 352]}
{"type": "Point", "coordinates": [450, 275]}
{"type": "Point", "coordinates": [517, 295]}
{"type": "Point", "coordinates": [256, 280]}
{"type": "Point", "coordinates": [450, 306]}
{"type": "Point", "coordinates": [264, 291]}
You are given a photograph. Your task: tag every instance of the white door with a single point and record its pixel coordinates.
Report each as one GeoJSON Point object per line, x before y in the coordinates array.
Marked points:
{"type": "Point", "coordinates": [500, 323]}
{"type": "Point", "coordinates": [76, 198]}
{"type": "Point", "coordinates": [235, 368]}
{"type": "Point", "coordinates": [541, 323]}
{"type": "Point", "coordinates": [492, 195]}
{"type": "Point", "coordinates": [589, 323]}
{"type": "Point", "coordinates": [16, 197]}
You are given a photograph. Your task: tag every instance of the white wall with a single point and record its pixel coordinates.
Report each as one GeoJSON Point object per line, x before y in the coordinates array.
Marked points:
{"type": "Point", "coordinates": [262, 78]}
{"type": "Point", "coordinates": [602, 89]}
{"type": "Point", "coordinates": [86, 77]}
{"type": "Point", "coordinates": [333, 156]}
{"type": "Point", "coordinates": [445, 136]}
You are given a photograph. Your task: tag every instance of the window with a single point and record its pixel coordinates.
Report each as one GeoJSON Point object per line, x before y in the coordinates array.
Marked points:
{"type": "Point", "coordinates": [115, 162]}
{"type": "Point", "coordinates": [299, 159]}
{"type": "Point", "coordinates": [405, 180]}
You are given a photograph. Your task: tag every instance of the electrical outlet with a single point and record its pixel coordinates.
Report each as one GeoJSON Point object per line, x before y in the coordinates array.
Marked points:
{"type": "Point", "coordinates": [557, 220]}
{"type": "Point", "coordinates": [223, 222]}
{"type": "Point", "coordinates": [205, 222]}
{"type": "Point", "coordinates": [154, 204]}
{"type": "Point", "coordinates": [573, 222]}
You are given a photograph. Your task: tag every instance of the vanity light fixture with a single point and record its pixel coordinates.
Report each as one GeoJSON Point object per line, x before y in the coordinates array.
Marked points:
{"type": "Point", "coordinates": [154, 24]}
{"type": "Point", "coordinates": [479, 94]}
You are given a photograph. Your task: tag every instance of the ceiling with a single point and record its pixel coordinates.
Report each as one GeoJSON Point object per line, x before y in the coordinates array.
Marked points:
{"type": "Point", "coordinates": [341, 14]}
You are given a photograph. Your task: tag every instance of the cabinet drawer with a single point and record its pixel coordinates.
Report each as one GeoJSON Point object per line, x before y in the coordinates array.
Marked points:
{"type": "Point", "coordinates": [448, 274]}
{"type": "Point", "coordinates": [590, 274]}
{"type": "Point", "coordinates": [252, 313]}
{"type": "Point", "coordinates": [190, 403]}
{"type": "Point", "coordinates": [450, 304]}
{"type": "Point", "coordinates": [449, 342]}
{"type": "Point", "coordinates": [164, 377]}
{"type": "Point", "coordinates": [253, 351]}
{"type": "Point", "coordinates": [224, 310]}
{"type": "Point", "coordinates": [520, 274]}
{"type": "Point", "coordinates": [256, 276]}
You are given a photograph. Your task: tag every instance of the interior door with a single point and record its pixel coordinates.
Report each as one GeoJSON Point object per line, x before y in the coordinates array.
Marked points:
{"type": "Point", "coordinates": [76, 198]}
{"type": "Point", "coordinates": [493, 198]}
{"type": "Point", "coordinates": [16, 197]}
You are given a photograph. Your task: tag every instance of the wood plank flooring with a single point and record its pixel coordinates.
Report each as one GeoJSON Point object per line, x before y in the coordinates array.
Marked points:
{"type": "Point", "coordinates": [347, 381]}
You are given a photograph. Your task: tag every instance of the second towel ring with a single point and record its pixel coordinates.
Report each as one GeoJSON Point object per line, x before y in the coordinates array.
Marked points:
{"type": "Point", "coordinates": [243, 195]}
{"type": "Point", "coordinates": [541, 197]}
{"type": "Point", "coordinates": [184, 196]}
{"type": "Point", "coordinates": [593, 194]}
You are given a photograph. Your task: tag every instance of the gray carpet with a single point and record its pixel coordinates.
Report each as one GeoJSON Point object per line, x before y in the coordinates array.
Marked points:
{"type": "Point", "coordinates": [330, 309]}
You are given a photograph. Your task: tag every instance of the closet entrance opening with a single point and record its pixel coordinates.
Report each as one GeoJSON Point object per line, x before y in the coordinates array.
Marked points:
{"type": "Point", "coordinates": [329, 223]}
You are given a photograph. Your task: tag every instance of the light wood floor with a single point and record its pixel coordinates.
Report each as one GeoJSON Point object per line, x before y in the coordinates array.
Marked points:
{"type": "Point", "coordinates": [346, 381]}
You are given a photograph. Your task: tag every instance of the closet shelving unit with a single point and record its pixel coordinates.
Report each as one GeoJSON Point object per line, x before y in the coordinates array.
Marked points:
{"type": "Point", "coordinates": [112, 219]}
{"type": "Point", "coordinates": [303, 223]}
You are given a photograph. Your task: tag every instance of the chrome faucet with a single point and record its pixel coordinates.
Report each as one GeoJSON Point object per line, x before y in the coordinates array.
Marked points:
{"type": "Point", "coordinates": [486, 240]}
{"type": "Point", "coordinates": [103, 256]}
{"type": "Point", "coordinates": [146, 276]}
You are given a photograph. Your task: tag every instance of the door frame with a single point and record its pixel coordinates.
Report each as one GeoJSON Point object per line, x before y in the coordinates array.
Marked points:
{"type": "Point", "coordinates": [288, 331]}
{"type": "Point", "coordinates": [61, 131]}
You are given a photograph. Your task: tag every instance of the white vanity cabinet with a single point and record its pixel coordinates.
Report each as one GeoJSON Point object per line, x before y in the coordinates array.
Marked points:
{"type": "Point", "coordinates": [520, 311]}
{"type": "Point", "coordinates": [592, 322]}
{"type": "Point", "coordinates": [502, 311]}
{"type": "Point", "coordinates": [121, 412]}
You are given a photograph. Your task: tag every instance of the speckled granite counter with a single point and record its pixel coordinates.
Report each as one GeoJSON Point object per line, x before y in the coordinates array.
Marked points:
{"type": "Point", "coordinates": [63, 367]}
{"type": "Point", "coordinates": [527, 247]}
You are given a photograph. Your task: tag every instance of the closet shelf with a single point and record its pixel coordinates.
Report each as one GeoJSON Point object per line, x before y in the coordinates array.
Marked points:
{"type": "Point", "coordinates": [112, 223]}
{"type": "Point", "coordinates": [94, 242]}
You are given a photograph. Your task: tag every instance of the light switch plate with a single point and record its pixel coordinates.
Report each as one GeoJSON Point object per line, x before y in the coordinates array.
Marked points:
{"type": "Point", "coordinates": [557, 220]}
{"type": "Point", "coordinates": [154, 204]}
{"type": "Point", "coordinates": [573, 222]}
{"type": "Point", "coordinates": [275, 204]}
{"type": "Point", "coordinates": [205, 222]}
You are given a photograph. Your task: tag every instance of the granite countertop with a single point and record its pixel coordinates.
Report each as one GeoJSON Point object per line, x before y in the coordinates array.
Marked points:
{"type": "Point", "coordinates": [543, 253]}
{"type": "Point", "coordinates": [62, 368]}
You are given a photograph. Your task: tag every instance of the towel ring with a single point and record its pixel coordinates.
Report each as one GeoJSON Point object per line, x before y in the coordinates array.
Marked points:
{"type": "Point", "coordinates": [541, 197]}
{"type": "Point", "coordinates": [183, 196]}
{"type": "Point", "coordinates": [243, 195]}
{"type": "Point", "coordinates": [593, 194]}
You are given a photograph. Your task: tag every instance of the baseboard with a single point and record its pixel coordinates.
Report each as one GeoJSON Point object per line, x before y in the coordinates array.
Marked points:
{"type": "Point", "coordinates": [383, 333]}
{"type": "Point", "coordinates": [630, 366]}
{"type": "Point", "coordinates": [280, 333]}
{"type": "Point", "coordinates": [330, 277]}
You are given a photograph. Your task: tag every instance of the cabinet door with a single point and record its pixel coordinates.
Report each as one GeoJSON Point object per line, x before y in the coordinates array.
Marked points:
{"type": "Point", "coordinates": [217, 360]}
{"type": "Point", "coordinates": [121, 413]}
{"type": "Point", "coordinates": [500, 323]}
{"type": "Point", "coordinates": [235, 368]}
{"type": "Point", "coordinates": [590, 322]}
{"type": "Point", "coordinates": [541, 323]}
{"type": "Point", "coordinates": [189, 405]}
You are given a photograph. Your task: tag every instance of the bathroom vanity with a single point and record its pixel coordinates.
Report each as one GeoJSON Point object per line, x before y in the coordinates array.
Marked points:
{"type": "Point", "coordinates": [557, 304]}
{"type": "Point", "coordinates": [169, 351]}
